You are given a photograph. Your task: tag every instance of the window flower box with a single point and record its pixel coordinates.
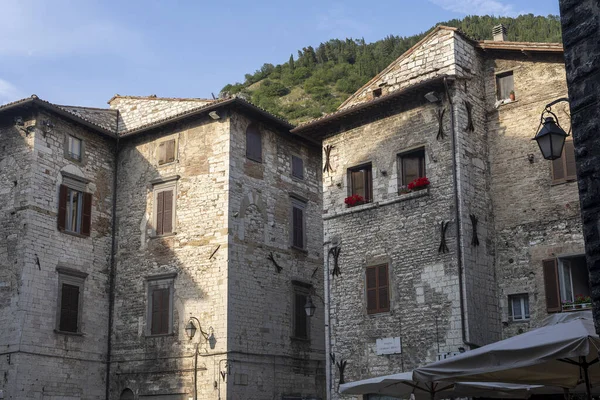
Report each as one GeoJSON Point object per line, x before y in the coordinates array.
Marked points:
{"type": "Point", "coordinates": [414, 186]}
{"type": "Point", "coordinates": [354, 200]}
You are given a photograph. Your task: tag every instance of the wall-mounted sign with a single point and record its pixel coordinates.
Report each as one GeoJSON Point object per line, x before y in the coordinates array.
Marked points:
{"type": "Point", "coordinates": [390, 345]}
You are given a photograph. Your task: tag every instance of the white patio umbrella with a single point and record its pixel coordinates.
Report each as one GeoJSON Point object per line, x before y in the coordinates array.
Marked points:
{"type": "Point", "coordinates": [560, 354]}
{"type": "Point", "coordinates": [402, 385]}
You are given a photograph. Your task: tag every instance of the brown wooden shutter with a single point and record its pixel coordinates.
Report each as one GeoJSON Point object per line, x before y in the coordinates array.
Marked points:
{"type": "Point", "coordinates": [410, 169]}
{"type": "Point", "coordinates": [383, 296]}
{"type": "Point", "coordinates": [69, 308]}
{"type": "Point", "coordinates": [170, 151]}
{"type": "Point", "coordinates": [253, 143]}
{"type": "Point", "coordinates": [297, 167]}
{"type": "Point", "coordinates": [159, 212]}
{"type": "Point", "coordinates": [368, 185]}
{"type": "Point", "coordinates": [569, 155]}
{"type": "Point", "coordinates": [162, 153]}
{"type": "Point", "coordinates": [358, 182]}
{"type": "Point", "coordinates": [371, 278]}
{"type": "Point", "coordinates": [298, 227]}
{"type": "Point", "coordinates": [558, 169]}
{"type": "Point", "coordinates": [160, 311]}
{"type": "Point", "coordinates": [300, 320]}
{"type": "Point", "coordinates": [168, 212]}
{"type": "Point", "coordinates": [63, 195]}
{"type": "Point", "coordinates": [86, 221]}
{"type": "Point", "coordinates": [553, 303]}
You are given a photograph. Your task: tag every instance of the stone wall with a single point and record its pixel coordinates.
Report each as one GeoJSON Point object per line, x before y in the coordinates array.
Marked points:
{"type": "Point", "coordinates": [534, 219]}
{"type": "Point", "coordinates": [35, 349]}
{"type": "Point", "coordinates": [581, 32]}
{"type": "Point", "coordinates": [261, 299]}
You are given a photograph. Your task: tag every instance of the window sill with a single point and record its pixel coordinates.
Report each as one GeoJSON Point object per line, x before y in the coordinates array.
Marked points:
{"type": "Point", "coordinates": [412, 195]}
{"type": "Point", "coordinates": [519, 321]}
{"type": "Point", "coordinates": [562, 182]}
{"type": "Point", "coordinates": [167, 164]}
{"type": "Point", "coordinates": [69, 333]}
{"type": "Point", "coordinates": [150, 336]}
{"type": "Point", "coordinates": [505, 103]}
{"type": "Point", "coordinates": [379, 314]}
{"type": "Point", "coordinates": [299, 339]}
{"type": "Point", "coordinates": [368, 206]}
{"type": "Point", "coordinates": [254, 160]}
{"type": "Point", "coordinates": [298, 179]}
{"type": "Point", "coordinates": [299, 249]}
{"type": "Point", "coordinates": [74, 160]}
{"type": "Point", "coordinates": [163, 236]}
{"type": "Point", "coordinates": [79, 235]}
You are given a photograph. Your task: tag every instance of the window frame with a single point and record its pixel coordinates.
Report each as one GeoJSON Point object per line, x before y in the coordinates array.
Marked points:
{"type": "Point", "coordinates": [402, 182]}
{"type": "Point", "coordinates": [73, 183]}
{"type": "Point", "coordinates": [522, 298]}
{"type": "Point", "coordinates": [302, 289]}
{"type": "Point", "coordinates": [563, 161]}
{"type": "Point", "coordinates": [160, 282]}
{"type": "Point", "coordinates": [73, 277]}
{"type": "Point", "coordinates": [301, 204]}
{"type": "Point", "coordinates": [498, 77]}
{"type": "Point", "coordinates": [255, 129]}
{"type": "Point", "coordinates": [368, 182]}
{"type": "Point", "coordinates": [164, 141]}
{"type": "Point", "coordinates": [377, 309]}
{"type": "Point", "coordinates": [67, 148]}
{"type": "Point", "coordinates": [294, 176]}
{"type": "Point", "coordinates": [160, 187]}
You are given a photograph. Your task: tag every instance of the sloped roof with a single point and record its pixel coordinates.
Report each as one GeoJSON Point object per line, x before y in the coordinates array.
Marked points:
{"type": "Point", "coordinates": [154, 97]}
{"type": "Point", "coordinates": [103, 117]}
{"type": "Point", "coordinates": [520, 46]}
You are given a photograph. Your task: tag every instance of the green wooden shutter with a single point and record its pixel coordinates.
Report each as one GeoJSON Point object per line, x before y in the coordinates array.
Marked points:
{"type": "Point", "coordinates": [63, 195]}
{"type": "Point", "coordinates": [551, 286]}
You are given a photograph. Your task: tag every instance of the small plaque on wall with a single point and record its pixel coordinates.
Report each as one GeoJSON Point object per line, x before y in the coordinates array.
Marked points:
{"type": "Point", "coordinates": [389, 346]}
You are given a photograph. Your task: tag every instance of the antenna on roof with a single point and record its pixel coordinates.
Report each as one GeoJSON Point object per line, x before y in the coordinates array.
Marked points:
{"type": "Point", "coordinates": [213, 95]}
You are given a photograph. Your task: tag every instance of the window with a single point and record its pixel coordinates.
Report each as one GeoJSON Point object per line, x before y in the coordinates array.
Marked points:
{"type": "Point", "coordinates": [166, 152]}
{"type": "Point", "coordinates": [160, 304]}
{"type": "Point", "coordinates": [74, 148]}
{"type": "Point", "coordinates": [361, 181]}
{"type": "Point", "coordinates": [253, 143]}
{"type": "Point", "coordinates": [377, 92]}
{"type": "Point", "coordinates": [378, 296]}
{"type": "Point", "coordinates": [412, 166]}
{"type": "Point", "coordinates": [74, 210]}
{"type": "Point", "coordinates": [504, 85]}
{"type": "Point", "coordinates": [565, 279]}
{"type": "Point", "coordinates": [298, 223]}
{"type": "Point", "coordinates": [297, 167]}
{"type": "Point", "coordinates": [518, 307]}
{"type": "Point", "coordinates": [164, 207]}
{"type": "Point", "coordinates": [563, 168]}
{"type": "Point", "coordinates": [70, 296]}
{"type": "Point", "coordinates": [301, 320]}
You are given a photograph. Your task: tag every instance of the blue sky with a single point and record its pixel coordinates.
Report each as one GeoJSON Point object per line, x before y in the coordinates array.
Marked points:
{"type": "Point", "coordinates": [82, 52]}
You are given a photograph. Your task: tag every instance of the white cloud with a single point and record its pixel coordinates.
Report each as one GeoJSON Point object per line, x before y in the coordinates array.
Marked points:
{"type": "Point", "coordinates": [8, 92]}
{"type": "Point", "coordinates": [477, 7]}
{"type": "Point", "coordinates": [42, 28]}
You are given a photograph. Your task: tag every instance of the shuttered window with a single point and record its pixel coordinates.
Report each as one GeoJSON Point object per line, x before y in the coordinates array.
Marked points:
{"type": "Point", "coordinates": [563, 168]}
{"type": "Point", "coordinates": [504, 85]}
{"type": "Point", "coordinates": [69, 308]}
{"type": "Point", "coordinates": [166, 152]}
{"type": "Point", "coordinates": [164, 212]}
{"type": "Point", "coordinates": [300, 317]}
{"type": "Point", "coordinates": [377, 289]}
{"type": "Point", "coordinates": [74, 211]}
{"type": "Point", "coordinates": [412, 166]}
{"type": "Point", "coordinates": [160, 311]}
{"type": "Point", "coordinates": [551, 285]}
{"type": "Point", "coordinates": [253, 143]}
{"type": "Point", "coordinates": [361, 182]}
{"type": "Point", "coordinates": [297, 167]}
{"type": "Point", "coordinates": [298, 223]}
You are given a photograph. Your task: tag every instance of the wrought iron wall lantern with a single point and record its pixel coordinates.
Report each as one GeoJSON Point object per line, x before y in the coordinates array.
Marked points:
{"type": "Point", "coordinates": [551, 137]}
{"type": "Point", "coordinates": [47, 126]}
{"type": "Point", "coordinates": [190, 328]}
{"type": "Point", "coordinates": [310, 307]}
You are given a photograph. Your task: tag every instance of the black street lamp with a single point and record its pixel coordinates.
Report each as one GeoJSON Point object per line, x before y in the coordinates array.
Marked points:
{"type": "Point", "coordinates": [309, 307]}
{"type": "Point", "coordinates": [551, 137]}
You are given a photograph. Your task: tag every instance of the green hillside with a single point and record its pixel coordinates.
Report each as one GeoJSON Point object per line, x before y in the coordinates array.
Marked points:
{"type": "Point", "coordinates": [319, 79]}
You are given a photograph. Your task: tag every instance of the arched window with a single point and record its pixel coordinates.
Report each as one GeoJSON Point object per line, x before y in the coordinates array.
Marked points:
{"type": "Point", "coordinates": [253, 143]}
{"type": "Point", "coordinates": [127, 394]}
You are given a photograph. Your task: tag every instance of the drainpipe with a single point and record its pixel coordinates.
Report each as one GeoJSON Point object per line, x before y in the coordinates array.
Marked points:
{"type": "Point", "coordinates": [458, 220]}
{"type": "Point", "coordinates": [327, 329]}
{"type": "Point", "coordinates": [111, 272]}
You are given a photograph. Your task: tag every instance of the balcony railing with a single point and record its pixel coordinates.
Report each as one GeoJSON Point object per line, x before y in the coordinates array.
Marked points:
{"type": "Point", "coordinates": [576, 307]}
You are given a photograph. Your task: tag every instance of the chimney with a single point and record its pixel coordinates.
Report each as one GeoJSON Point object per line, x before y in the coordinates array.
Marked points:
{"type": "Point", "coordinates": [499, 32]}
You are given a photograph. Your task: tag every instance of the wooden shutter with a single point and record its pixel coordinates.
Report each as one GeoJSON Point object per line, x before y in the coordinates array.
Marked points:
{"type": "Point", "coordinates": [162, 153]}
{"type": "Point", "coordinates": [358, 182]}
{"type": "Point", "coordinates": [63, 195]}
{"type": "Point", "coordinates": [170, 150]}
{"type": "Point", "coordinates": [383, 296]}
{"type": "Point", "coordinates": [558, 169]}
{"type": "Point", "coordinates": [160, 196]}
{"type": "Point", "coordinates": [371, 278]}
{"type": "Point", "coordinates": [160, 311]}
{"type": "Point", "coordinates": [551, 285]}
{"type": "Point", "coordinates": [253, 143]}
{"type": "Point", "coordinates": [298, 227]}
{"type": "Point", "coordinates": [569, 156]}
{"type": "Point", "coordinates": [300, 317]}
{"type": "Point", "coordinates": [368, 184]}
{"type": "Point", "coordinates": [69, 308]}
{"type": "Point", "coordinates": [297, 167]}
{"type": "Point", "coordinates": [86, 217]}
{"type": "Point", "coordinates": [167, 211]}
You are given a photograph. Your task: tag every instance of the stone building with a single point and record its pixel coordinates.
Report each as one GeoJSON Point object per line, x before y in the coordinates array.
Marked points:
{"type": "Point", "coordinates": [488, 248]}
{"type": "Point", "coordinates": [123, 230]}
